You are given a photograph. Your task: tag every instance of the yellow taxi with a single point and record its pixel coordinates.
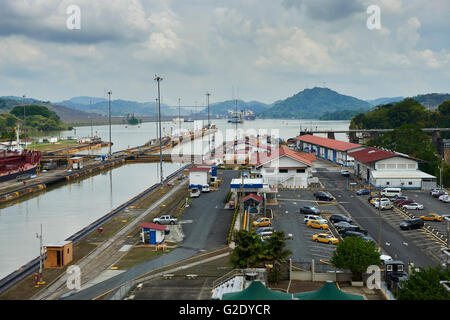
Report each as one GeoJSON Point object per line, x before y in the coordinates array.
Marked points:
{"type": "Point", "coordinates": [431, 217]}
{"type": "Point", "coordinates": [262, 222]}
{"type": "Point", "coordinates": [325, 238]}
{"type": "Point", "coordinates": [373, 200]}
{"type": "Point", "coordinates": [316, 224]}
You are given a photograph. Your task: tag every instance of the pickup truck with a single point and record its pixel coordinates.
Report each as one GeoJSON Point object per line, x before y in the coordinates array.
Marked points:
{"type": "Point", "coordinates": [167, 219]}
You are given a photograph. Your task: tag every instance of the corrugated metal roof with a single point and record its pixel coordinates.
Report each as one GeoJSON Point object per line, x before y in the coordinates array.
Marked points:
{"type": "Point", "coordinates": [262, 158]}
{"type": "Point", "coordinates": [329, 143]}
{"type": "Point", "coordinates": [372, 154]}
{"type": "Point", "coordinates": [154, 226]}
{"type": "Point", "coordinates": [400, 174]}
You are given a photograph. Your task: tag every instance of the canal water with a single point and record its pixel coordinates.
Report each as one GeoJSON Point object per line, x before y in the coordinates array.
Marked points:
{"type": "Point", "coordinates": [64, 210]}
{"type": "Point", "coordinates": [67, 209]}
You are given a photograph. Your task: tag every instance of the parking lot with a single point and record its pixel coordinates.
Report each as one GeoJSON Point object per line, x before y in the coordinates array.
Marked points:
{"type": "Point", "coordinates": [288, 219]}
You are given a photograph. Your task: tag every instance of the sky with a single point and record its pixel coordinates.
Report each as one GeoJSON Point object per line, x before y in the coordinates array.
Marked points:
{"type": "Point", "coordinates": [262, 50]}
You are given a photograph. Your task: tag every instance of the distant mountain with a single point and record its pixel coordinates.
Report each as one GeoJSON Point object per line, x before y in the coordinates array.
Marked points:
{"type": "Point", "coordinates": [312, 103]}
{"type": "Point", "coordinates": [432, 100]}
{"type": "Point", "coordinates": [221, 108]}
{"type": "Point", "coordinates": [118, 107]}
{"type": "Point", "coordinates": [382, 101]}
{"type": "Point", "coordinates": [342, 114]}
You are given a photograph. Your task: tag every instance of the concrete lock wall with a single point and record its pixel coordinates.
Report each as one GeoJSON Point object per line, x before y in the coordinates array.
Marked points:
{"type": "Point", "coordinates": [329, 276]}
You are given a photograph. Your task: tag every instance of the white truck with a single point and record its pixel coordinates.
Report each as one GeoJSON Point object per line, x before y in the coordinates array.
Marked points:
{"type": "Point", "coordinates": [166, 219]}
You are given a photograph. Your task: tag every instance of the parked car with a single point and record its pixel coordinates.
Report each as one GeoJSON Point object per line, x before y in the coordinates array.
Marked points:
{"type": "Point", "coordinates": [404, 202]}
{"type": "Point", "coordinates": [195, 193]}
{"type": "Point", "coordinates": [352, 228]}
{"type": "Point", "coordinates": [325, 238]}
{"type": "Point", "coordinates": [166, 219]}
{"type": "Point", "coordinates": [435, 190]}
{"type": "Point", "coordinates": [311, 217]}
{"type": "Point", "coordinates": [309, 210]}
{"type": "Point", "coordinates": [439, 193]}
{"type": "Point", "coordinates": [345, 173]}
{"type": "Point", "coordinates": [265, 234]}
{"type": "Point", "coordinates": [316, 224]}
{"type": "Point", "coordinates": [363, 192]}
{"type": "Point", "coordinates": [431, 217]}
{"type": "Point", "coordinates": [385, 205]}
{"type": "Point", "coordinates": [339, 217]}
{"type": "Point", "coordinates": [391, 192]}
{"type": "Point", "coordinates": [372, 202]}
{"type": "Point", "coordinates": [412, 224]}
{"type": "Point", "coordinates": [205, 188]}
{"type": "Point", "coordinates": [262, 222]}
{"type": "Point", "coordinates": [264, 229]}
{"type": "Point", "coordinates": [444, 198]}
{"type": "Point", "coordinates": [413, 206]}
{"type": "Point", "coordinates": [352, 234]}
{"type": "Point", "coordinates": [323, 196]}
{"type": "Point", "coordinates": [401, 198]}
{"type": "Point", "coordinates": [341, 224]}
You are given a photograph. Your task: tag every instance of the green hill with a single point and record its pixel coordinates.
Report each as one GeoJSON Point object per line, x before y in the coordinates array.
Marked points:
{"type": "Point", "coordinates": [312, 103]}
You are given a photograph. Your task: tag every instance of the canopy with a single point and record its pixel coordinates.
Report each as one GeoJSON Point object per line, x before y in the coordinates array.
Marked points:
{"type": "Point", "coordinates": [257, 291]}
{"type": "Point", "coordinates": [329, 291]}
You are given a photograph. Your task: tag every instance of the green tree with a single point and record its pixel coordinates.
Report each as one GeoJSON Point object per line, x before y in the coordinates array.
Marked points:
{"type": "Point", "coordinates": [249, 250]}
{"type": "Point", "coordinates": [355, 254]}
{"type": "Point", "coordinates": [425, 285]}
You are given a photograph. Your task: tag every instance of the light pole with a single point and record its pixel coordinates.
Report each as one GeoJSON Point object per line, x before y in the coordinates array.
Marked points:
{"type": "Point", "coordinates": [40, 256]}
{"type": "Point", "coordinates": [109, 106]}
{"type": "Point", "coordinates": [379, 221]}
{"type": "Point", "coordinates": [92, 127]}
{"type": "Point", "coordinates": [24, 120]}
{"type": "Point", "coordinates": [207, 101]}
{"type": "Point", "coordinates": [159, 79]}
{"type": "Point", "coordinates": [179, 116]}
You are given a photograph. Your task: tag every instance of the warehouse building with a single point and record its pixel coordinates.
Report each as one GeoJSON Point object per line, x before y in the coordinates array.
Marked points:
{"type": "Point", "coordinates": [384, 168]}
{"type": "Point", "coordinates": [329, 149]}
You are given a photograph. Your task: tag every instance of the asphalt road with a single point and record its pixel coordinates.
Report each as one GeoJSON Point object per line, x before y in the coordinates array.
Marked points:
{"type": "Point", "coordinates": [206, 230]}
{"type": "Point", "coordinates": [398, 244]}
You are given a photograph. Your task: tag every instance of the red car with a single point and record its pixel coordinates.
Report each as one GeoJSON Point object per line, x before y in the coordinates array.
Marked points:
{"type": "Point", "coordinates": [439, 193]}
{"type": "Point", "coordinates": [403, 202]}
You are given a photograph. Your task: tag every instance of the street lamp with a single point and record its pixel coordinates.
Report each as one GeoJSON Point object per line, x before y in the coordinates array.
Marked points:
{"type": "Point", "coordinates": [24, 120]}
{"type": "Point", "coordinates": [109, 105]}
{"type": "Point", "coordinates": [159, 79]}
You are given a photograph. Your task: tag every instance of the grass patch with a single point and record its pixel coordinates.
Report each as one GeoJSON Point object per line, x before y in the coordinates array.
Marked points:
{"type": "Point", "coordinates": [138, 255]}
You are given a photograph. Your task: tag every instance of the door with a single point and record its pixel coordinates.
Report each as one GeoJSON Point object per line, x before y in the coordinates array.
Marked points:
{"type": "Point", "coordinates": [326, 153]}
{"type": "Point", "coordinates": [58, 258]}
{"type": "Point", "coordinates": [334, 155]}
{"type": "Point", "coordinates": [152, 239]}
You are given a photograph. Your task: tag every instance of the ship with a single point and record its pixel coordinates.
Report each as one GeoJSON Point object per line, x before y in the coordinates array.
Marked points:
{"type": "Point", "coordinates": [236, 117]}
{"type": "Point", "coordinates": [14, 163]}
{"type": "Point", "coordinates": [249, 115]}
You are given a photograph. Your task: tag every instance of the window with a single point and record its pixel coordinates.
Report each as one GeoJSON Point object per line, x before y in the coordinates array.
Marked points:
{"type": "Point", "coordinates": [283, 171]}
{"type": "Point", "coordinates": [388, 183]}
{"type": "Point", "coordinates": [399, 268]}
{"type": "Point", "coordinates": [389, 267]}
{"type": "Point", "coordinates": [269, 170]}
{"type": "Point", "coordinates": [300, 170]}
{"type": "Point", "coordinates": [410, 182]}
{"type": "Point", "coordinates": [401, 166]}
{"type": "Point", "coordinates": [67, 250]}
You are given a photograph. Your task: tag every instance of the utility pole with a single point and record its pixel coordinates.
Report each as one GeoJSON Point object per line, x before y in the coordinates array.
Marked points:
{"type": "Point", "coordinates": [379, 222]}
{"type": "Point", "coordinates": [159, 79]}
{"type": "Point", "coordinates": [179, 117]}
{"type": "Point", "coordinates": [24, 120]}
{"type": "Point", "coordinates": [207, 101]}
{"type": "Point", "coordinates": [92, 128]}
{"type": "Point", "coordinates": [109, 105]}
{"type": "Point", "coordinates": [40, 256]}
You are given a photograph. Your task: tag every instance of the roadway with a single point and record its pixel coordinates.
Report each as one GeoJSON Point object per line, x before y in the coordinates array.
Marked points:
{"type": "Point", "coordinates": [206, 225]}
{"type": "Point", "coordinates": [402, 245]}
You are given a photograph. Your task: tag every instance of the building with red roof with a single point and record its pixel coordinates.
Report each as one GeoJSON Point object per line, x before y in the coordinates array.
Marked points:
{"type": "Point", "coordinates": [329, 149]}
{"type": "Point", "coordinates": [155, 233]}
{"type": "Point", "coordinates": [385, 168]}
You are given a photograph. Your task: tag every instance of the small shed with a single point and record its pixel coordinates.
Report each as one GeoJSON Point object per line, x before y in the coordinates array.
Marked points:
{"type": "Point", "coordinates": [155, 233]}
{"type": "Point", "coordinates": [252, 202]}
{"type": "Point", "coordinates": [198, 177]}
{"type": "Point", "coordinates": [58, 255]}
{"type": "Point", "coordinates": [76, 163]}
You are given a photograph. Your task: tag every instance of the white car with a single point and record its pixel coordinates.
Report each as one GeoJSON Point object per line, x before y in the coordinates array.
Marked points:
{"type": "Point", "coordinates": [413, 206]}
{"type": "Point", "coordinates": [205, 188]}
{"type": "Point", "coordinates": [195, 193]}
{"type": "Point", "coordinates": [311, 217]}
{"type": "Point", "coordinates": [384, 204]}
{"type": "Point", "coordinates": [445, 198]}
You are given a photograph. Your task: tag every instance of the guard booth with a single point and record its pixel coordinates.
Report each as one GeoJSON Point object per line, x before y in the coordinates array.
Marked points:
{"type": "Point", "coordinates": [152, 233]}
{"type": "Point", "coordinates": [76, 163]}
{"type": "Point", "coordinates": [58, 255]}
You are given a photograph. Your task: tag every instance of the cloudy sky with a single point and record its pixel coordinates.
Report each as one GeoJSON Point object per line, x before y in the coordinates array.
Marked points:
{"type": "Point", "coordinates": [251, 49]}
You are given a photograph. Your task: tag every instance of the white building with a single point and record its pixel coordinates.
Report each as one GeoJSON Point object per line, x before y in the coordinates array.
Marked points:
{"type": "Point", "coordinates": [382, 168]}
{"type": "Point", "coordinates": [284, 167]}
{"type": "Point", "coordinates": [198, 177]}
